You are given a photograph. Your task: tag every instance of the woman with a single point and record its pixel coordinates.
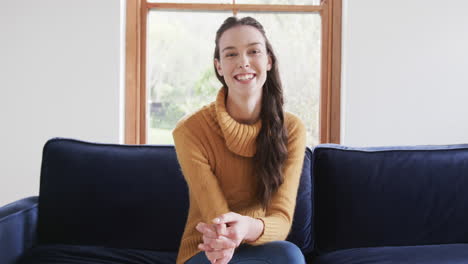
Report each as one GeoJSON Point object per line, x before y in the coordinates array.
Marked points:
{"type": "Point", "coordinates": [242, 157]}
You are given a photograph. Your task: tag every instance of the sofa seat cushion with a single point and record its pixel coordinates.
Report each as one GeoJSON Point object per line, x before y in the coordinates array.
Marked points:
{"type": "Point", "coordinates": [427, 254]}
{"type": "Point", "coordinates": [375, 197]}
{"type": "Point", "coordinates": [77, 254]}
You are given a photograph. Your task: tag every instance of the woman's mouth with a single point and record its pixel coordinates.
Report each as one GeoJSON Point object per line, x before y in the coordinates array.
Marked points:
{"type": "Point", "coordinates": [245, 78]}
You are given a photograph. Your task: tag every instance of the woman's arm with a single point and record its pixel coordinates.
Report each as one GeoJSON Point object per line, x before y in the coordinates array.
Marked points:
{"type": "Point", "coordinates": [276, 223]}
{"type": "Point", "coordinates": [203, 184]}
{"type": "Point", "coordinates": [278, 218]}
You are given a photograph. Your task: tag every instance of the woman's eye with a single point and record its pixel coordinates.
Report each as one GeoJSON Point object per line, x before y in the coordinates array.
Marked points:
{"type": "Point", "coordinates": [230, 54]}
{"type": "Point", "coordinates": [255, 51]}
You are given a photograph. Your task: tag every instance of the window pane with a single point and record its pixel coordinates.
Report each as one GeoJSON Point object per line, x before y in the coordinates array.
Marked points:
{"type": "Point", "coordinates": [180, 74]}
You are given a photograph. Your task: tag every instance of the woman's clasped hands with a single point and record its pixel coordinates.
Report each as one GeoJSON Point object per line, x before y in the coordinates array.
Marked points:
{"type": "Point", "coordinates": [225, 234]}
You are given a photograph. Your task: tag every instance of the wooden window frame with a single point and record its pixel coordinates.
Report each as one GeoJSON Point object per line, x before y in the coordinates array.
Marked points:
{"type": "Point", "coordinates": [135, 68]}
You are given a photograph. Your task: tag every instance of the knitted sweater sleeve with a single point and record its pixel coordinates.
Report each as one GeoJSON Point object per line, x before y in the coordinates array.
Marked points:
{"type": "Point", "coordinates": [204, 188]}
{"type": "Point", "coordinates": [278, 218]}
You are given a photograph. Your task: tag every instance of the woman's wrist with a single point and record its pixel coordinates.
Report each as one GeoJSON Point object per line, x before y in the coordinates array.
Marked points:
{"type": "Point", "coordinates": [256, 227]}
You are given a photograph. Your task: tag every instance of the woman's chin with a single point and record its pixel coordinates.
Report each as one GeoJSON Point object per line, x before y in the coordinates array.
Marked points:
{"type": "Point", "coordinates": [246, 89]}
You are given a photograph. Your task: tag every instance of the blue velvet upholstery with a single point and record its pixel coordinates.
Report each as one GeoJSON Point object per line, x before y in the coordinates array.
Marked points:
{"type": "Point", "coordinates": [78, 254]}
{"type": "Point", "coordinates": [102, 203]}
{"type": "Point", "coordinates": [395, 196]}
{"type": "Point", "coordinates": [302, 230]}
{"type": "Point", "coordinates": [428, 254]}
{"type": "Point", "coordinates": [111, 195]}
{"type": "Point", "coordinates": [125, 197]}
{"type": "Point", "coordinates": [17, 228]}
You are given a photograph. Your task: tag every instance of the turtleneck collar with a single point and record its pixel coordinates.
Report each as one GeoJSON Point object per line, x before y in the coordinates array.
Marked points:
{"type": "Point", "coordinates": [240, 138]}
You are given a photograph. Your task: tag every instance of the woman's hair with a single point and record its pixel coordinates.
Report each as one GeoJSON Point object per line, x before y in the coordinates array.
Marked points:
{"type": "Point", "coordinates": [272, 139]}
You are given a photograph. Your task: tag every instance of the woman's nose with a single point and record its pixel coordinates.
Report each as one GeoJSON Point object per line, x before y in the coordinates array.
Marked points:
{"type": "Point", "coordinates": [244, 62]}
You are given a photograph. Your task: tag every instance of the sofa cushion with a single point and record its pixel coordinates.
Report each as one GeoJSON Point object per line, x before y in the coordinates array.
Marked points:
{"type": "Point", "coordinates": [302, 232]}
{"type": "Point", "coordinates": [430, 254]}
{"type": "Point", "coordinates": [78, 254]}
{"type": "Point", "coordinates": [390, 196]}
{"type": "Point", "coordinates": [119, 196]}
{"type": "Point", "coordinates": [128, 196]}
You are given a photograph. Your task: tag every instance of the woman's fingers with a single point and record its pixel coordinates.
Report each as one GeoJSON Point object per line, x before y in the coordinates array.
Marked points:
{"type": "Point", "coordinates": [206, 230]}
{"type": "Point", "coordinates": [208, 240]}
{"type": "Point", "coordinates": [200, 227]}
{"type": "Point", "coordinates": [219, 243]}
{"type": "Point", "coordinates": [205, 247]}
{"type": "Point", "coordinates": [226, 218]}
{"type": "Point", "coordinates": [233, 232]}
{"type": "Point", "coordinates": [218, 229]}
{"type": "Point", "coordinates": [222, 243]}
{"type": "Point", "coordinates": [234, 235]}
{"type": "Point", "coordinates": [221, 229]}
{"type": "Point", "coordinates": [210, 232]}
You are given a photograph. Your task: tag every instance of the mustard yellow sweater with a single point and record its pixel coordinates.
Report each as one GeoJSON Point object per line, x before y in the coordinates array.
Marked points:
{"type": "Point", "coordinates": [215, 153]}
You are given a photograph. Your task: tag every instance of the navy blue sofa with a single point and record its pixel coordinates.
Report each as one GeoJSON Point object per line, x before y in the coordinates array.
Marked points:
{"type": "Point", "coordinates": [108, 203]}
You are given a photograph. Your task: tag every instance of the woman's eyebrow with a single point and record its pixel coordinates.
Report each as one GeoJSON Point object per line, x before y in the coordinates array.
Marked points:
{"type": "Point", "coordinates": [226, 48]}
{"type": "Point", "coordinates": [254, 43]}
{"type": "Point", "coordinates": [248, 45]}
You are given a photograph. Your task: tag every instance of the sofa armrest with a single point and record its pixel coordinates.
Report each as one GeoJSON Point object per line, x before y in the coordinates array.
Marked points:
{"type": "Point", "coordinates": [18, 222]}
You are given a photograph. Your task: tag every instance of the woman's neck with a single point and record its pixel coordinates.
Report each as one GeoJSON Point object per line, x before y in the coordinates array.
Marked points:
{"type": "Point", "coordinates": [244, 109]}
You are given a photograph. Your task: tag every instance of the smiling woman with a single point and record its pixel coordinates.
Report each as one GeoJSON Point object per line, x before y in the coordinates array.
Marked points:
{"type": "Point", "coordinates": [241, 157]}
{"type": "Point", "coordinates": [241, 63]}
{"type": "Point", "coordinates": [241, 154]}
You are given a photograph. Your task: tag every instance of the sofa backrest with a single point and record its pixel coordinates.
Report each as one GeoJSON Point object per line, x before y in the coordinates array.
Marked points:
{"type": "Point", "coordinates": [111, 195]}
{"type": "Point", "coordinates": [128, 196]}
{"type": "Point", "coordinates": [390, 196]}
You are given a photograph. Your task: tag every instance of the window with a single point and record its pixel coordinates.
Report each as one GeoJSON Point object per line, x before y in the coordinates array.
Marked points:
{"type": "Point", "coordinates": [174, 75]}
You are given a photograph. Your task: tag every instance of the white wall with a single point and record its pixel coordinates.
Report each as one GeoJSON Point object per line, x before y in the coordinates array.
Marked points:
{"type": "Point", "coordinates": [405, 72]}
{"type": "Point", "coordinates": [59, 74]}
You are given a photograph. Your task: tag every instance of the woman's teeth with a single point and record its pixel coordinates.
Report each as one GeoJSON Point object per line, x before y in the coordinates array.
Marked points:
{"type": "Point", "coordinates": [244, 77]}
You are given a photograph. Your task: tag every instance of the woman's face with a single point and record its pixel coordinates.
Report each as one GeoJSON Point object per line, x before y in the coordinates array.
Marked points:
{"type": "Point", "coordinates": [244, 60]}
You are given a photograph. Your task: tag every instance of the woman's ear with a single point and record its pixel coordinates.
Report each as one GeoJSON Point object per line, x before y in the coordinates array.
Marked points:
{"type": "Point", "coordinates": [218, 67]}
